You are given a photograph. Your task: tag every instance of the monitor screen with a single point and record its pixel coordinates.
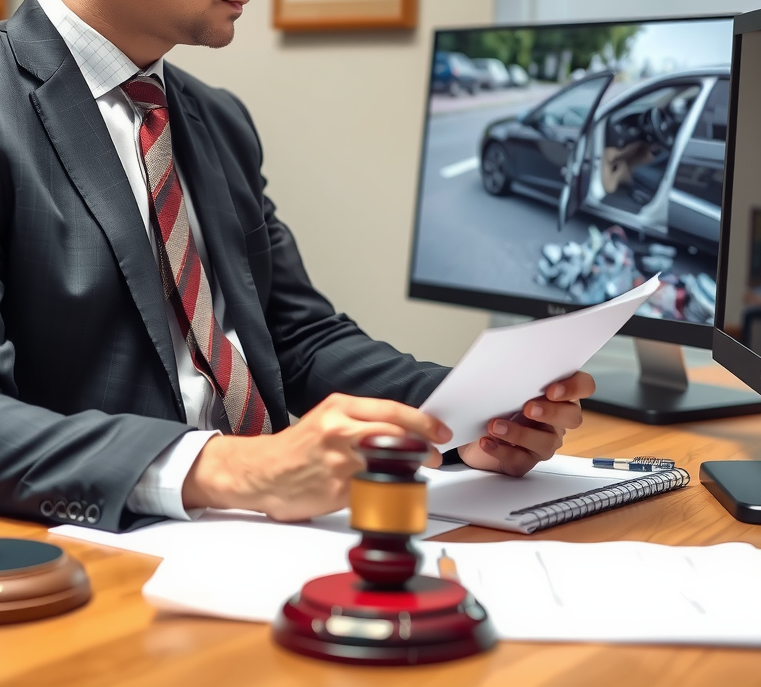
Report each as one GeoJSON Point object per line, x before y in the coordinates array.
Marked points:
{"type": "Point", "coordinates": [737, 343]}
{"type": "Point", "coordinates": [563, 165]}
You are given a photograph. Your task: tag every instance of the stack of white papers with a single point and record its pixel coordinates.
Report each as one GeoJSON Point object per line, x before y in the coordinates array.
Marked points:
{"type": "Point", "coordinates": [615, 591]}
{"type": "Point", "coordinates": [532, 590]}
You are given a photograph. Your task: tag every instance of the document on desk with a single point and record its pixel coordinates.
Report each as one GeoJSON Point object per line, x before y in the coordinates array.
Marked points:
{"type": "Point", "coordinates": [507, 366]}
{"type": "Point", "coordinates": [228, 527]}
{"type": "Point", "coordinates": [532, 590]}
{"type": "Point", "coordinates": [615, 591]}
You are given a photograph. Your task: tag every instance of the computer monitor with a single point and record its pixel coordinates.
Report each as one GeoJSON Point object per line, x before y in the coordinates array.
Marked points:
{"type": "Point", "coordinates": [737, 334]}
{"type": "Point", "coordinates": [563, 165]}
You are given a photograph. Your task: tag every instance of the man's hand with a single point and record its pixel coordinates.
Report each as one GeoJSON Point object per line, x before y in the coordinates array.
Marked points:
{"type": "Point", "coordinates": [514, 446]}
{"type": "Point", "coordinates": [305, 470]}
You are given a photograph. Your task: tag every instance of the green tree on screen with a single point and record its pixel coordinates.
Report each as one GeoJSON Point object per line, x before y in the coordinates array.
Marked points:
{"type": "Point", "coordinates": [524, 46]}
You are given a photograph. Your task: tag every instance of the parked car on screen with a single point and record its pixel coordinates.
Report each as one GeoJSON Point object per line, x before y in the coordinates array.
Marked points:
{"type": "Point", "coordinates": [650, 159]}
{"type": "Point", "coordinates": [454, 73]}
{"type": "Point", "coordinates": [518, 75]}
{"type": "Point", "coordinates": [492, 73]}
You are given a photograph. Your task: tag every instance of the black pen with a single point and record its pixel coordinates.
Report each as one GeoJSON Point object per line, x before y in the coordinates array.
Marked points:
{"type": "Point", "coordinates": [637, 464]}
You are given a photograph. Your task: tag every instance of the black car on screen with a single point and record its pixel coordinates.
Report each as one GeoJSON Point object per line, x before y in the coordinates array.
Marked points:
{"type": "Point", "coordinates": [454, 73]}
{"type": "Point", "coordinates": [650, 158]}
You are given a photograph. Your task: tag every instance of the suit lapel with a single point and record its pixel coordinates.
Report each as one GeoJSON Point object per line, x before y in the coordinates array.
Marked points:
{"type": "Point", "coordinates": [79, 135]}
{"type": "Point", "coordinates": [199, 161]}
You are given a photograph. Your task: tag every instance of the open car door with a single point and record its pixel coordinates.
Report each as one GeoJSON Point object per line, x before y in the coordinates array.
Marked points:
{"type": "Point", "coordinates": [590, 93]}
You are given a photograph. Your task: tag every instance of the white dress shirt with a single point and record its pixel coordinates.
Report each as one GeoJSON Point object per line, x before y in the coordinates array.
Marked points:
{"type": "Point", "coordinates": [105, 67]}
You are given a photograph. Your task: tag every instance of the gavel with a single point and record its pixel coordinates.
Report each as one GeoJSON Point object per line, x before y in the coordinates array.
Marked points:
{"type": "Point", "coordinates": [384, 612]}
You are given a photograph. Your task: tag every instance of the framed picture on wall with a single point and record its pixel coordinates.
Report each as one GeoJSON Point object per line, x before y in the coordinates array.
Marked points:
{"type": "Point", "coordinates": [330, 15]}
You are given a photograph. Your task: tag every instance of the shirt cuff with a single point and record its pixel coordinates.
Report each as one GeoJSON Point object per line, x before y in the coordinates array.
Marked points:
{"type": "Point", "coordinates": [159, 490]}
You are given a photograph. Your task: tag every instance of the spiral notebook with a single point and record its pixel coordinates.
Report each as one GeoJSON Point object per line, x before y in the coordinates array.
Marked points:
{"type": "Point", "coordinates": [559, 490]}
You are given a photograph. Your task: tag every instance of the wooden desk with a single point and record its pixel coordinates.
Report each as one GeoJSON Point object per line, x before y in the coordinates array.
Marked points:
{"type": "Point", "coordinates": [117, 640]}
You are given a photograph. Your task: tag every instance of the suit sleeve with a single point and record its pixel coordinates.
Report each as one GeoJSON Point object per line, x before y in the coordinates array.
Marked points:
{"type": "Point", "coordinates": [321, 351]}
{"type": "Point", "coordinates": [77, 469]}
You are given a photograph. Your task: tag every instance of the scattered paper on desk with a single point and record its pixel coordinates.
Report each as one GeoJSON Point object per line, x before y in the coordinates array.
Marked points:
{"type": "Point", "coordinates": [247, 580]}
{"type": "Point", "coordinates": [177, 536]}
{"type": "Point", "coordinates": [532, 590]}
{"type": "Point", "coordinates": [507, 366]}
{"type": "Point", "coordinates": [614, 591]}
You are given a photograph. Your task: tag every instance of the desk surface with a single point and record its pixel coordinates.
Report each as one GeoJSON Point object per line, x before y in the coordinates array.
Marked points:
{"type": "Point", "coordinates": [120, 641]}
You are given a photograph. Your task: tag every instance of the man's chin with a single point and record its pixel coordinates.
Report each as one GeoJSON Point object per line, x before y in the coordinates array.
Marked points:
{"type": "Point", "coordinates": [217, 39]}
{"type": "Point", "coordinates": [219, 44]}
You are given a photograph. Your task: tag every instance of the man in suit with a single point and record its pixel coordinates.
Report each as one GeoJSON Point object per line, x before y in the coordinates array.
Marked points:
{"type": "Point", "coordinates": [156, 322]}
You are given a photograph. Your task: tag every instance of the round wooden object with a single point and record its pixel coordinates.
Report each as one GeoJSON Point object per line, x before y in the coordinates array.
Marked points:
{"type": "Point", "coordinates": [38, 580]}
{"type": "Point", "coordinates": [342, 618]}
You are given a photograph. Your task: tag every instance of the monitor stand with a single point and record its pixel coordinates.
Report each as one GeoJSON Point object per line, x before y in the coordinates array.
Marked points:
{"type": "Point", "coordinates": [662, 395]}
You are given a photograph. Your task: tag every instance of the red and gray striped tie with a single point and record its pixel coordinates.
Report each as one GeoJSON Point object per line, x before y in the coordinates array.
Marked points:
{"type": "Point", "coordinates": [182, 274]}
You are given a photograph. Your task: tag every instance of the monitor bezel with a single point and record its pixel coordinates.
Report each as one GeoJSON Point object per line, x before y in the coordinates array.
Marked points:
{"type": "Point", "coordinates": [668, 331]}
{"type": "Point", "coordinates": [728, 351]}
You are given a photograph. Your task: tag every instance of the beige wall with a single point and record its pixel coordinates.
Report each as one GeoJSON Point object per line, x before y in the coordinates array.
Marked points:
{"type": "Point", "coordinates": [341, 117]}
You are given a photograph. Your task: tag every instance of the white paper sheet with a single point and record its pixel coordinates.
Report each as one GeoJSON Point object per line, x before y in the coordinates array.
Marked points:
{"type": "Point", "coordinates": [229, 527]}
{"type": "Point", "coordinates": [247, 582]}
{"type": "Point", "coordinates": [533, 590]}
{"type": "Point", "coordinates": [507, 366]}
{"type": "Point", "coordinates": [614, 591]}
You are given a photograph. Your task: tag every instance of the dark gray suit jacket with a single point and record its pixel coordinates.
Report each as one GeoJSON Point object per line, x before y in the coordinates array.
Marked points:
{"type": "Point", "coordinates": [89, 393]}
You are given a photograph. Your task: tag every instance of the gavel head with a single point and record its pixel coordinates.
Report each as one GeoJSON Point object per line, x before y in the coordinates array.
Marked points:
{"type": "Point", "coordinates": [388, 504]}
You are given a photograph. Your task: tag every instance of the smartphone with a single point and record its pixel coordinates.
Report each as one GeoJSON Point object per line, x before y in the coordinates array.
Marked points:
{"type": "Point", "coordinates": [736, 485]}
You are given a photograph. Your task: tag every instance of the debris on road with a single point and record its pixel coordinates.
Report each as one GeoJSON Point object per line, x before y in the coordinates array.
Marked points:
{"type": "Point", "coordinates": [605, 266]}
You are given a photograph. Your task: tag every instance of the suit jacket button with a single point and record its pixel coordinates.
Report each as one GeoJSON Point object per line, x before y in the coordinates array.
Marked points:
{"type": "Point", "coordinates": [47, 508]}
{"type": "Point", "coordinates": [60, 509]}
{"type": "Point", "coordinates": [74, 510]}
{"type": "Point", "coordinates": [92, 514]}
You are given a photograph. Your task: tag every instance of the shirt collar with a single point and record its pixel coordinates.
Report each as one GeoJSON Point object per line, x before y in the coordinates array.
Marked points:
{"type": "Point", "coordinates": [102, 64]}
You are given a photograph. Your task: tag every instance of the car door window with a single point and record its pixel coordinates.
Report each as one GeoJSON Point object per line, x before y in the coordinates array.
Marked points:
{"type": "Point", "coordinates": [676, 99]}
{"type": "Point", "coordinates": [571, 107]}
{"type": "Point", "coordinates": [712, 125]}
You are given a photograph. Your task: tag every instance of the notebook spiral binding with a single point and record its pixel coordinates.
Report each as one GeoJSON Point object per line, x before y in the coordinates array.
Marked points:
{"type": "Point", "coordinates": [556, 512]}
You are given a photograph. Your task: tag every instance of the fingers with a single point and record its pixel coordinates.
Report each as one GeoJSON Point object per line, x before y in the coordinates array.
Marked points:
{"type": "Point", "coordinates": [511, 460]}
{"type": "Point", "coordinates": [539, 440]}
{"type": "Point", "coordinates": [434, 459]}
{"type": "Point", "coordinates": [560, 414]}
{"type": "Point", "coordinates": [559, 407]}
{"type": "Point", "coordinates": [497, 456]}
{"type": "Point", "coordinates": [577, 386]}
{"type": "Point", "coordinates": [381, 416]}
{"type": "Point", "coordinates": [514, 446]}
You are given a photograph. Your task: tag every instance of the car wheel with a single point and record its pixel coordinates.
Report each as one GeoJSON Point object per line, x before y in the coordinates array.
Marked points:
{"type": "Point", "coordinates": [494, 170]}
{"type": "Point", "coordinates": [455, 89]}
{"type": "Point", "coordinates": [474, 88]}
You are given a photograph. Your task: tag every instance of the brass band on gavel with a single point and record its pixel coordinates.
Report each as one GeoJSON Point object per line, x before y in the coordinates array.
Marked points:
{"type": "Point", "coordinates": [388, 506]}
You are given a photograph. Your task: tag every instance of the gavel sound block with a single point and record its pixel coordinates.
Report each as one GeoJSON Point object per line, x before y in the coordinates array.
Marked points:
{"type": "Point", "coordinates": [38, 580]}
{"type": "Point", "coordinates": [383, 612]}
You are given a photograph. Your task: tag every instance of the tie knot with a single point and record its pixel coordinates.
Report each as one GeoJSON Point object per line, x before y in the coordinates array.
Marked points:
{"type": "Point", "coordinates": [145, 91]}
